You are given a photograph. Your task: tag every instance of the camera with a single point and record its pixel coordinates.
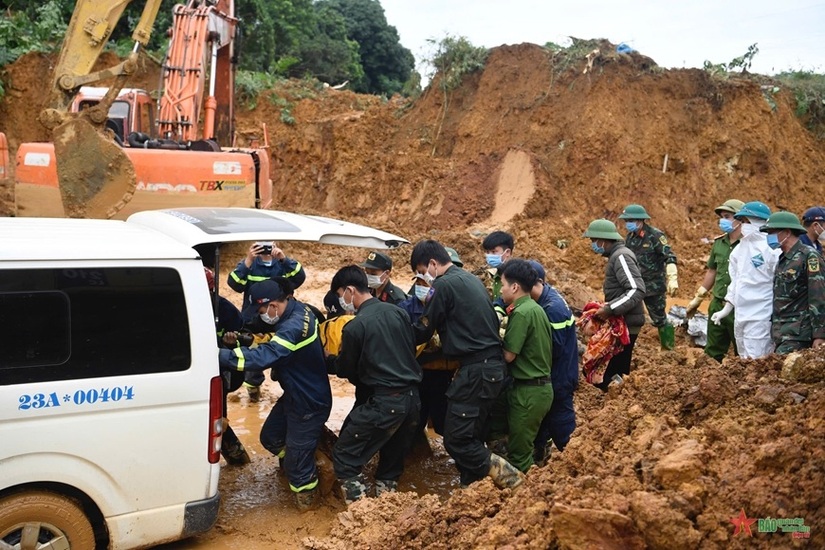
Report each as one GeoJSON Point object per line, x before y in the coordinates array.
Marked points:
{"type": "Point", "coordinates": [266, 248]}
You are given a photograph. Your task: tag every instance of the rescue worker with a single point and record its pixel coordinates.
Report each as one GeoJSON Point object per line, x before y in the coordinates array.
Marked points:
{"type": "Point", "coordinates": [293, 353]}
{"type": "Point", "coordinates": [437, 370]}
{"type": "Point", "coordinates": [658, 265]}
{"type": "Point", "coordinates": [377, 349]}
{"type": "Point", "coordinates": [814, 222]}
{"type": "Point", "coordinates": [560, 421]}
{"type": "Point", "coordinates": [624, 291]}
{"type": "Point", "coordinates": [460, 310]}
{"type": "Point", "coordinates": [228, 320]}
{"type": "Point", "coordinates": [378, 267]}
{"type": "Point", "coordinates": [528, 350]}
{"type": "Point", "coordinates": [498, 248]}
{"type": "Point", "coordinates": [750, 294]}
{"type": "Point", "coordinates": [263, 261]}
{"type": "Point", "coordinates": [716, 281]}
{"type": "Point", "coordinates": [798, 319]}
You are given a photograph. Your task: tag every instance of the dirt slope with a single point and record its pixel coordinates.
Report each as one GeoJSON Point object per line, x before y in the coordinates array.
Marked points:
{"type": "Point", "coordinates": [536, 145]}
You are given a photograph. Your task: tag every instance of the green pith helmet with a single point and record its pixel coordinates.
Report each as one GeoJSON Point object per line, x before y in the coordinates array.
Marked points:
{"type": "Point", "coordinates": [634, 212]}
{"type": "Point", "coordinates": [454, 257]}
{"type": "Point", "coordinates": [783, 220]}
{"type": "Point", "coordinates": [603, 229]}
{"type": "Point", "coordinates": [731, 205]}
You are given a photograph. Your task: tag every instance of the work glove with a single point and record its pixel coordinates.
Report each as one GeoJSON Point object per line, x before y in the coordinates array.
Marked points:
{"type": "Point", "coordinates": [719, 315]}
{"type": "Point", "coordinates": [694, 304]}
{"type": "Point", "coordinates": [672, 283]}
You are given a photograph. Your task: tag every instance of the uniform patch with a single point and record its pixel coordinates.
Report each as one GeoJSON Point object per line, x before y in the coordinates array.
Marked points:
{"type": "Point", "coordinates": [663, 240]}
{"type": "Point", "coordinates": [813, 264]}
{"type": "Point", "coordinates": [758, 260]}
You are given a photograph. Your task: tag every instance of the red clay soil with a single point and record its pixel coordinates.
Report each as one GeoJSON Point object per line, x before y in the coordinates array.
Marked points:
{"type": "Point", "coordinates": [539, 147]}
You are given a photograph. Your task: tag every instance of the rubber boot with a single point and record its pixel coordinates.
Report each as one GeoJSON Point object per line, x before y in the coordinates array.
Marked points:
{"type": "Point", "coordinates": [504, 474]}
{"type": "Point", "coordinates": [385, 486]}
{"type": "Point", "coordinates": [306, 500]}
{"type": "Point", "coordinates": [354, 488]}
{"type": "Point", "coordinates": [667, 337]}
{"type": "Point", "coordinates": [232, 449]}
{"type": "Point", "coordinates": [254, 393]}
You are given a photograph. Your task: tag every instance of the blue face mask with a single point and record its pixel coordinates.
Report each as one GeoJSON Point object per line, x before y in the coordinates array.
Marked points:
{"type": "Point", "coordinates": [726, 225]}
{"type": "Point", "coordinates": [422, 292]}
{"type": "Point", "coordinates": [773, 241]}
{"type": "Point", "coordinates": [596, 248]}
{"type": "Point", "coordinates": [493, 260]}
{"type": "Point", "coordinates": [632, 226]}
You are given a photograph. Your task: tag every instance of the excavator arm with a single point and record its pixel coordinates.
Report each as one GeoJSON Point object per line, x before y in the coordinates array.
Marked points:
{"type": "Point", "coordinates": [95, 176]}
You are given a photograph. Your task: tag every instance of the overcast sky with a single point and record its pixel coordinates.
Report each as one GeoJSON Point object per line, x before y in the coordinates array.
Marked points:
{"type": "Point", "coordinates": [790, 33]}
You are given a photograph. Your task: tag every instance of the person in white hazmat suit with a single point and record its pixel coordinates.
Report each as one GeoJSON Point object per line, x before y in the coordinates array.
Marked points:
{"type": "Point", "coordinates": [750, 293]}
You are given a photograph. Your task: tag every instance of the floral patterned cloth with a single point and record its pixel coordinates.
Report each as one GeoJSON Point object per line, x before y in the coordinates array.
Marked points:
{"type": "Point", "coordinates": [606, 339]}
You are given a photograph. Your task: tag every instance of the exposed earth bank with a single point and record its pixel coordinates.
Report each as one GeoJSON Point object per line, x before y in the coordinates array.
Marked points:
{"type": "Point", "coordinates": [539, 144]}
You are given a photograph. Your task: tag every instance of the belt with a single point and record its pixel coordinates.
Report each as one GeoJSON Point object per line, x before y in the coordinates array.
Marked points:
{"type": "Point", "coordinates": [540, 381]}
{"type": "Point", "coordinates": [481, 356]}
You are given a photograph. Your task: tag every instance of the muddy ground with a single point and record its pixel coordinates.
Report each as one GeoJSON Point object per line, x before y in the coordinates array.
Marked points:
{"type": "Point", "coordinates": [540, 144]}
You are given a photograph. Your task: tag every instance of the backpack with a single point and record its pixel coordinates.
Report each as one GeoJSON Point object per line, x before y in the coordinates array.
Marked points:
{"type": "Point", "coordinates": [330, 332]}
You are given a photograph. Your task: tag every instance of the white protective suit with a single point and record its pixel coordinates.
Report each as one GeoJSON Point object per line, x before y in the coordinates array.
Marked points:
{"type": "Point", "coordinates": [751, 267]}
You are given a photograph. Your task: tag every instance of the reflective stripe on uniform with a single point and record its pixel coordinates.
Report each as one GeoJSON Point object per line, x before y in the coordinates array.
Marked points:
{"type": "Point", "coordinates": [293, 272]}
{"type": "Point", "coordinates": [237, 279]}
{"type": "Point", "coordinates": [295, 347]}
{"type": "Point", "coordinates": [633, 286]}
{"type": "Point", "coordinates": [239, 354]}
{"type": "Point", "coordinates": [563, 324]}
{"type": "Point", "coordinates": [306, 487]}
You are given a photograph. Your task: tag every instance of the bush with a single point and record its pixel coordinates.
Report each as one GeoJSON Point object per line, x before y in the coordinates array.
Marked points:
{"type": "Point", "coordinates": [250, 84]}
{"type": "Point", "coordinates": [808, 89]}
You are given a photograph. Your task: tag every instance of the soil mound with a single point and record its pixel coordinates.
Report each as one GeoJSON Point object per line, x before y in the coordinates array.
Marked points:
{"type": "Point", "coordinates": [665, 460]}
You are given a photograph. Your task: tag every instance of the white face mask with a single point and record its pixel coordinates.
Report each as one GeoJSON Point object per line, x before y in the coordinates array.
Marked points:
{"type": "Point", "coordinates": [374, 281]}
{"type": "Point", "coordinates": [749, 229]}
{"type": "Point", "coordinates": [267, 262]}
{"type": "Point", "coordinates": [347, 307]}
{"type": "Point", "coordinates": [422, 292]}
{"type": "Point", "coordinates": [267, 319]}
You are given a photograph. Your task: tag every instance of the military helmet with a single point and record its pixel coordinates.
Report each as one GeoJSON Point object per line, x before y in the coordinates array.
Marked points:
{"type": "Point", "coordinates": [754, 209]}
{"type": "Point", "coordinates": [783, 220]}
{"type": "Point", "coordinates": [454, 257]}
{"type": "Point", "coordinates": [814, 214]}
{"type": "Point", "coordinates": [634, 212]}
{"type": "Point", "coordinates": [603, 229]}
{"type": "Point", "coordinates": [731, 205]}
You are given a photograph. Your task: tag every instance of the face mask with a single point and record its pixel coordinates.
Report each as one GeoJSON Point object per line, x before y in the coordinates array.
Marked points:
{"type": "Point", "coordinates": [267, 263]}
{"type": "Point", "coordinates": [493, 260]}
{"type": "Point", "coordinates": [758, 223]}
{"type": "Point", "coordinates": [347, 307]}
{"type": "Point", "coordinates": [374, 281]}
{"type": "Point", "coordinates": [428, 277]}
{"type": "Point", "coordinates": [773, 241]}
{"type": "Point", "coordinates": [596, 248]}
{"type": "Point", "coordinates": [632, 226]}
{"type": "Point", "coordinates": [267, 319]}
{"type": "Point", "coordinates": [749, 229]}
{"type": "Point", "coordinates": [726, 225]}
{"type": "Point", "coordinates": [422, 292]}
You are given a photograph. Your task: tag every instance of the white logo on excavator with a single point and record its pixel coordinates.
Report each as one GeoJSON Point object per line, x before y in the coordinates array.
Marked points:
{"type": "Point", "coordinates": [226, 168]}
{"type": "Point", "coordinates": [175, 188]}
{"type": "Point", "coordinates": [36, 159]}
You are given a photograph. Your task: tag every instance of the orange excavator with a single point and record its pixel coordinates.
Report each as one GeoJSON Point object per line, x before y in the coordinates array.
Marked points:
{"type": "Point", "coordinates": [112, 154]}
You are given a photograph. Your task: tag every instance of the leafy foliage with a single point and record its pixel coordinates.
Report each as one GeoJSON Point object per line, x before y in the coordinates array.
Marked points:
{"type": "Point", "coordinates": [743, 62]}
{"type": "Point", "coordinates": [809, 92]}
{"type": "Point", "coordinates": [250, 84]}
{"type": "Point", "coordinates": [39, 29]}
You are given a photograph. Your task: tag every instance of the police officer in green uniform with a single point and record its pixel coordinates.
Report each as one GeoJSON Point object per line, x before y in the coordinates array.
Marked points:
{"type": "Point", "coordinates": [377, 350]}
{"type": "Point", "coordinates": [717, 279]}
{"type": "Point", "coordinates": [461, 311]}
{"type": "Point", "coordinates": [658, 265]}
{"type": "Point", "coordinates": [528, 350]}
{"type": "Point", "coordinates": [498, 248]}
{"type": "Point", "coordinates": [378, 267]}
{"type": "Point", "coordinates": [798, 318]}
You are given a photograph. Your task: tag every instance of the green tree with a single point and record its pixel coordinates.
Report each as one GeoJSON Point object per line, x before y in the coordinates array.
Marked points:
{"type": "Point", "coordinates": [328, 54]}
{"type": "Point", "coordinates": [387, 64]}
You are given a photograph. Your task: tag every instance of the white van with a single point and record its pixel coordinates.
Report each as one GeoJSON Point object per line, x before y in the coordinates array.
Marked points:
{"type": "Point", "coordinates": [110, 399]}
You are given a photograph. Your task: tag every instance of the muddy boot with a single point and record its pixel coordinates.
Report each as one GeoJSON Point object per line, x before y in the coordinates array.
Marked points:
{"type": "Point", "coordinates": [504, 474]}
{"type": "Point", "coordinates": [254, 393]}
{"type": "Point", "coordinates": [326, 473]}
{"type": "Point", "coordinates": [306, 500]}
{"type": "Point", "coordinates": [385, 486]}
{"type": "Point", "coordinates": [232, 449]}
{"type": "Point", "coordinates": [667, 337]}
{"type": "Point", "coordinates": [354, 488]}
{"type": "Point", "coordinates": [542, 454]}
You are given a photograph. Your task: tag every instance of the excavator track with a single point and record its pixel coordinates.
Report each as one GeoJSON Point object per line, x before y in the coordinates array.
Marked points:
{"type": "Point", "coordinates": [96, 177]}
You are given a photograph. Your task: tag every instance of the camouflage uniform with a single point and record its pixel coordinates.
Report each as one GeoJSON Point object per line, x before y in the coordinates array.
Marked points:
{"type": "Point", "coordinates": [798, 299]}
{"type": "Point", "coordinates": [652, 253]}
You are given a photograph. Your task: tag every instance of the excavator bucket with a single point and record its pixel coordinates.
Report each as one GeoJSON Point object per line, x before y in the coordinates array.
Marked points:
{"type": "Point", "coordinates": [96, 177]}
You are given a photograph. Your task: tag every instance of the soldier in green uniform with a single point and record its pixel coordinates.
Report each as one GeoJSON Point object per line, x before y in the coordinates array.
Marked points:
{"type": "Point", "coordinates": [717, 279]}
{"type": "Point", "coordinates": [528, 350]}
{"type": "Point", "coordinates": [658, 265]}
{"type": "Point", "coordinates": [378, 267]}
{"type": "Point", "coordinates": [798, 318]}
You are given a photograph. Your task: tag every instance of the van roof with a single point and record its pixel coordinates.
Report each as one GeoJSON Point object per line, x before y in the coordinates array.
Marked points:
{"type": "Point", "coordinates": [172, 234]}
{"type": "Point", "coordinates": [74, 239]}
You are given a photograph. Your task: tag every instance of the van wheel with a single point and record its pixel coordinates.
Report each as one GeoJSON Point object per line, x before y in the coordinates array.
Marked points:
{"type": "Point", "coordinates": [41, 519]}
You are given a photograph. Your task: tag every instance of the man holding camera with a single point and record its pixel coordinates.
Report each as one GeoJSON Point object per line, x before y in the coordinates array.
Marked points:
{"type": "Point", "coordinates": [263, 261]}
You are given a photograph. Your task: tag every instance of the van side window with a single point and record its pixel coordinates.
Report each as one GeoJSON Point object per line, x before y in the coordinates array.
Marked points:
{"type": "Point", "coordinates": [62, 324]}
